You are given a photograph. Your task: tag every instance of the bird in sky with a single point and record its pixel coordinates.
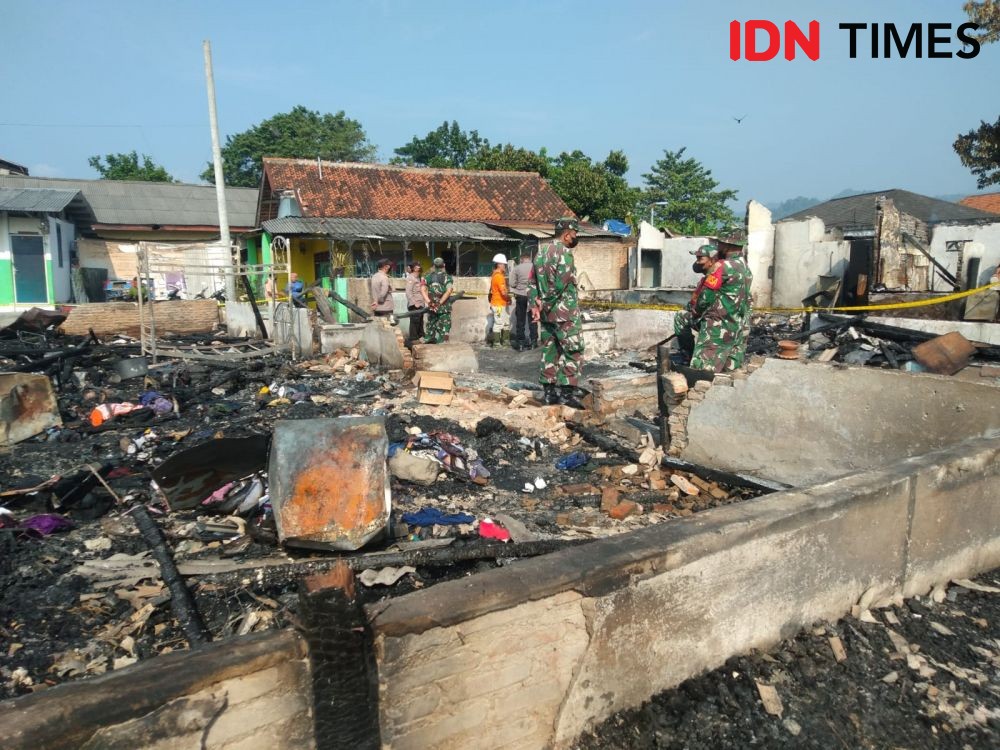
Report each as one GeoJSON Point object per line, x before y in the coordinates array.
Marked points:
{"type": "Point", "coordinates": [740, 119]}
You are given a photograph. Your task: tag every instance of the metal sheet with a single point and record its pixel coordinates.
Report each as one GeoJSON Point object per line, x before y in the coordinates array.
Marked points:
{"type": "Point", "coordinates": [191, 475]}
{"type": "Point", "coordinates": [328, 481]}
{"type": "Point", "coordinates": [27, 407]}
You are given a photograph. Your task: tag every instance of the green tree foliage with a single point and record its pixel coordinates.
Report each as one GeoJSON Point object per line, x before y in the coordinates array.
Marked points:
{"type": "Point", "coordinates": [979, 149]}
{"type": "Point", "coordinates": [301, 133]}
{"type": "Point", "coordinates": [594, 190]}
{"type": "Point", "coordinates": [123, 166]}
{"type": "Point", "coordinates": [505, 157]}
{"type": "Point", "coordinates": [693, 205]}
{"type": "Point", "coordinates": [447, 146]}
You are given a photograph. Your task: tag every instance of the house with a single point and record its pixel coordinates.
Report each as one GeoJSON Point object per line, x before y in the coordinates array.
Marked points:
{"type": "Point", "coordinates": [989, 202]}
{"type": "Point", "coordinates": [37, 233]}
{"type": "Point", "coordinates": [108, 218]}
{"type": "Point", "coordinates": [340, 217]}
{"type": "Point", "coordinates": [886, 241]}
{"type": "Point", "coordinates": [9, 167]}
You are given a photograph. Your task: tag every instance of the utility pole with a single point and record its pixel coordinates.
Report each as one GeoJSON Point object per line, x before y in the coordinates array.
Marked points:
{"type": "Point", "coordinates": [220, 184]}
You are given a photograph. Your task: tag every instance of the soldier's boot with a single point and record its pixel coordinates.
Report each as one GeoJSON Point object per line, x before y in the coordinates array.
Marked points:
{"type": "Point", "coordinates": [490, 339]}
{"type": "Point", "coordinates": [504, 338]}
{"type": "Point", "coordinates": [567, 397]}
{"type": "Point", "coordinates": [551, 394]}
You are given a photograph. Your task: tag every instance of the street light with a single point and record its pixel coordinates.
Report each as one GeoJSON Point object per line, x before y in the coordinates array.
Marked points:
{"type": "Point", "coordinates": [652, 208]}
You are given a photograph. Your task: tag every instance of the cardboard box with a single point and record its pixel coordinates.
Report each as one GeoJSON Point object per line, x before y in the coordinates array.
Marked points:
{"type": "Point", "coordinates": [435, 388]}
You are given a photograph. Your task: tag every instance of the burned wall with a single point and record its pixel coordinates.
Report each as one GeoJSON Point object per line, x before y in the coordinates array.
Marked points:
{"type": "Point", "coordinates": [800, 423]}
{"type": "Point", "coordinates": [900, 263]}
{"type": "Point", "coordinates": [532, 654]}
{"type": "Point", "coordinates": [803, 251]}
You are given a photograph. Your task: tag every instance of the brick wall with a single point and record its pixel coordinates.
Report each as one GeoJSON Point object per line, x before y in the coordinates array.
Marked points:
{"type": "Point", "coordinates": [601, 264]}
{"type": "Point", "coordinates": [178, 316]}
{"type": "Point", "coordinates": [120, 263]}
{"type": "Point", "coordinates": [240, 694]}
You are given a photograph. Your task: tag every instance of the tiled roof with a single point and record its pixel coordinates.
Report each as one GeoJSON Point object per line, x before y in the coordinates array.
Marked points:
{"type": "Point", "coordinates": [858, 211]}
{"type": "Point", "coordinates": [378, 191]}
{"type": "Point", "coordinates": [989, 202]}
{"type": "Point", "coordinates": [385, 229]}
{"type": "Point", "coordinates": [136, 203]}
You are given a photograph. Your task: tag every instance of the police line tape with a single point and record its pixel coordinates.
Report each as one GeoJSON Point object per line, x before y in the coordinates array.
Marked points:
{"type": "Point", "coordinates": [606, 305]}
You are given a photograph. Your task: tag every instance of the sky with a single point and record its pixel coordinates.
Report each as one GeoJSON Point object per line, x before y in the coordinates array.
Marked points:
{"type": "Point", "coordinates": [79, 79]}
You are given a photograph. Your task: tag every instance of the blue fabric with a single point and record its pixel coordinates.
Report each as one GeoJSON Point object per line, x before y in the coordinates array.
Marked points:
{"type": "Point", "coordinates": [572, 461]}
{"type": "Point", "coordinates": [618, 227]}
{"type": "Point", "coordinates": [432, 516]}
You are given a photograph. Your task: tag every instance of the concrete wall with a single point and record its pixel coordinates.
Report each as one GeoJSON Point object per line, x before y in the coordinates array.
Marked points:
{"type": "Point", "coordinates": [240, 694]}
{"type": "Point", "coordinates": [987, 333]}
{"type": "Point", "coordinates": [601, 263]}
{"type": "Point", "coordinates": [532, 654]}
{"type": "Point", "coordinates": [760, 253]}
{"type": "Point", "coordinates": [984, 244]}
{"type": "Point", "coordinates": [801, 423]}
{"type": "Point", "coordinates": [178, 316]}
{"type": "Point", "coordinates": [803, 251]}
{"type": "Point", "coordinates": [638, 329]}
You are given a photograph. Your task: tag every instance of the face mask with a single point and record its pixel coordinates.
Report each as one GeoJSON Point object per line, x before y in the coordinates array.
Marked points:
{"type": "Point", "coordinates": [697, 268]}
{"type": "Point", "coordinates": [571, 243]}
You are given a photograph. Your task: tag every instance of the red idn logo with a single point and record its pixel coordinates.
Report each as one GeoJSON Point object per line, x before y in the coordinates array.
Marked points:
{"type": "Point", "coordinates": [794, 36]}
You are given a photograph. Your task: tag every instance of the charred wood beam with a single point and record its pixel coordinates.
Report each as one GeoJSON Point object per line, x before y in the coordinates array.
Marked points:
{"type": "Point", "coordinates": [825, 328]}
{"type": "Point", "coordinates": [253, 304]}
{"type": "Point", "coordinates": [181, 602]}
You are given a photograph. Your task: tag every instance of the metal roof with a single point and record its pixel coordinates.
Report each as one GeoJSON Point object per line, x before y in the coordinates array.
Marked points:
{"type": "Point", "coordinates": [858, 211]}
{"type": "Point", "coordinates": [385, 229]}
{"type": "Point", "coordinates": [43, 200]}
{"type": "Point", "coordinates": [134, 203]}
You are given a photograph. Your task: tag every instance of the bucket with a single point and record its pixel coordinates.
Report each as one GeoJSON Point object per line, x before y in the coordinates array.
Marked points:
{"type": "Point", "coordinates": [133, 367]}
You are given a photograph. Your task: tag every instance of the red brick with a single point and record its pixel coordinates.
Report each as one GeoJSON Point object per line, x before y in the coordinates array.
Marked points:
{"type": "Point", "coordinates": [624, 509]}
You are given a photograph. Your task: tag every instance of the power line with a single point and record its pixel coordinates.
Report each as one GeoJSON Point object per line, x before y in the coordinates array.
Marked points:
{"type": "Point", "coordinates": [85, 125]}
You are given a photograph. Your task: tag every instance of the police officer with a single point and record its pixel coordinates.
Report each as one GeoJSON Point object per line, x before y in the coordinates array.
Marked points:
{"type": "Point", "coordinates": [552, 297]}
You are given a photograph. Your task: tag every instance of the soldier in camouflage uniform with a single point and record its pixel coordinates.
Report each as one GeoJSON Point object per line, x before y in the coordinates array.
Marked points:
{"type": "Point", "coordinates": [439, 289]}
{"type": "Point", "coordinates": [685, 322]}
{"type": "Point", "coordinates": [720, 308]}
{"type": "Point", "coordinates": [552, 297]}
{"type": "Point", "coordinates": [733, 250]}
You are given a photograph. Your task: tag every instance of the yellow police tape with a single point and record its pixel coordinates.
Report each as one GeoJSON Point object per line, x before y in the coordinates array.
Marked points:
{"type": "Point", "coordinates": [605, 305]}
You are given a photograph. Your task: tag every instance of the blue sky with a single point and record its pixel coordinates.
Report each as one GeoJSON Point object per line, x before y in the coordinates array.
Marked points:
{"type": "Point", "coordinates": [78, 79]}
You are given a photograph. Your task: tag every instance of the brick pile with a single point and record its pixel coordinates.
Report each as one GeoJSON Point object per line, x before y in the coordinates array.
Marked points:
{"type": "Point", "coordinates": [175, 317]}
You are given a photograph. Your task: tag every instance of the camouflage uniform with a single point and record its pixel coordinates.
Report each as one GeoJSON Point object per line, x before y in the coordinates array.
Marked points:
{"type": "Point", "coordinates": [686, 322]}
{"type": "Point", "coordinates": [720, 308]}
{"type": "Point", "coordinates": [438, 282]}
{"type": "Point", "coordinates": [738, 354]}
{"type": "Point", "coordinates": [553, 288]}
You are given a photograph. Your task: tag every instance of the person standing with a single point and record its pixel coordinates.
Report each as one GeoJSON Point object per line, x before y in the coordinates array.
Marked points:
{"type": "Point", "coordinates": [554, 303]}
{"type": "Point", "coordinates": [296, 291]}
{"type": "Point", "coordinates": [381, 289]}
{"type": "Point", "coordinates": [525, 331]}
{"type": "Point", "coordinates": [439, 291]}
{"type": "Point", "coordinates": [416, 299]}
{"type": "Point", "coordinates": [499, 319]}
{"type": "Point", "coordinates": [732, 249]}
{"type": "Point", "coordinates": [685, 322]}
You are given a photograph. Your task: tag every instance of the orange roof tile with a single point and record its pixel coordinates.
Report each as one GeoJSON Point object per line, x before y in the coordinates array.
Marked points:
{"type": "Point", "coordinates": [379, 191]}
{"type": "Point", "coordinates": [987, 202]}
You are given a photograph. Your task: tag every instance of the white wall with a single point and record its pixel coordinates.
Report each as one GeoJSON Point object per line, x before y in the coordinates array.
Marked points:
{"type": "Point", "coordinates": [803, 251]}
{"type": "Point", "coordinates": [760, 252]}
{"type": "Point", "coordinates": [985, 245]}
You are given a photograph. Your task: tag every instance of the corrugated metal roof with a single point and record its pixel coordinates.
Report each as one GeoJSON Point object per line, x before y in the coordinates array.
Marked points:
{"type": "Point", "coordinates": [46, 200]}
{"type": "Point", "coordinates": [385, 229]}
{"type": "Point", "coordinates": [148, 203]}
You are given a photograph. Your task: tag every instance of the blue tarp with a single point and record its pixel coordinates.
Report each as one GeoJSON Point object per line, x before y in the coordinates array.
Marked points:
{"type": "Point", "coordinates": [618, 227]}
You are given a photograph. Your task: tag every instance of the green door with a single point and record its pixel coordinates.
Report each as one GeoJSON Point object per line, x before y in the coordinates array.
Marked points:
{"type": "Point", "coordinates": [29, 268]}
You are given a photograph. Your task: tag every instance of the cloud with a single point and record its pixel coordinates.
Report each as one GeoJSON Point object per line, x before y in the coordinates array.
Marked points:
{"type": "Point", "coordinates": [44, 170]}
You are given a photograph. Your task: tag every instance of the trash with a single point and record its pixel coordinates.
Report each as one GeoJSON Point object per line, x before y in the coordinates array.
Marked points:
{"type": "Point", "coordinates": [939, 628]}
{"type": "Point", "coordinates": [490, 530]}
{"type": "Point", "coordinates": [190, 475]}
{"type": "Point", "coordinates": [540, 484]}
{"type": "Point", "coordinates": [518, 531]}
{"type": "Point", "coordinates": [386, 576]}
{"type": "Point", "coordinates": [488, 426]}
{"type": "Point", "coordinates": [572, 461]}
{"type": "Point", "coordinates": [411, 467]}
{"type": "Point", "coordinates": [107, 412]}
{"type": "Point", "coordinates": [27, 407]}
{"type": "Point", "coordinates": [435, 517]}
{"type": "Point", "coordinates": [45, 524]}
{"type": "Point", "coordinates": [770, 698]}
{"type": "Point", "coordinates": [529, 487]}
{"type": "Point", "coordinates": [328, 481]}
{"type": "Point", "coordinates": [837, 646]}
{"type": "Point", "coordinates": [945, 355]}
{"type": "Point", "coordinates": [435, 388]}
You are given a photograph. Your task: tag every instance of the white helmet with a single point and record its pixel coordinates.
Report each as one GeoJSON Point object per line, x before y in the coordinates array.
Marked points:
{"type": "Point", "coordinates": [500, 258]}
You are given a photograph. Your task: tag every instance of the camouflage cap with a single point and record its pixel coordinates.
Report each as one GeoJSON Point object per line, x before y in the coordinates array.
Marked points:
{"type": "Point", "coordinates": [736, 238]}
{"type": "Point", "coordinates": [439, 262]}
{"type": "Point", "coordinates": [711, 250]}
{"type": "Point", "coordinates": [567, 223]}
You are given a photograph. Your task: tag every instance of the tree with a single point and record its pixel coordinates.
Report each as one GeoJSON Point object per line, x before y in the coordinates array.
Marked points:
{"type": "Point", "coordinates": [692, 204]}
{"type": "Point", "coordinates": [505, 157]}
{"type": "Point", "coordinates": [594, 190]}
{"type": "Point", "coordinates": [447, 146]}
{"type": "Point", "coordinates": [123, 166]}
{"type": "Point", "coordinates": [979, 149]}
{"type": "Point", "coordinates": [301, 133]}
